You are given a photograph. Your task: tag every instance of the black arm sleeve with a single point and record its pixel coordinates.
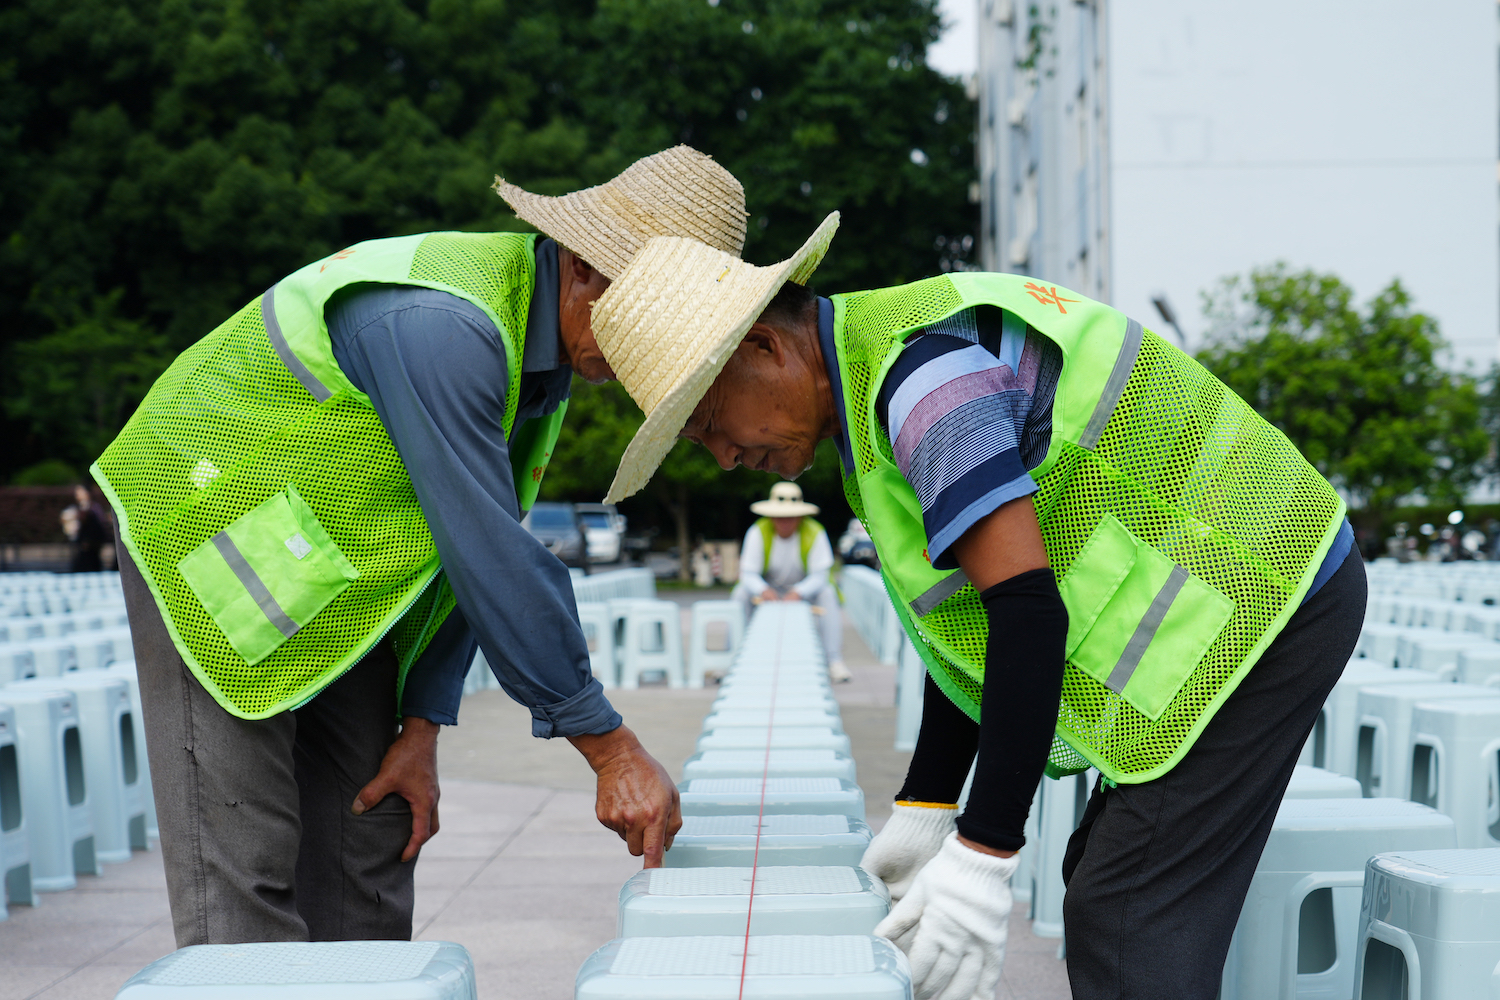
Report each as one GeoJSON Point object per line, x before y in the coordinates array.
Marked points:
{"type": "Point", "coordinates": [946, 744]}
{"type": "Point", "coordinates": [1022, 683]}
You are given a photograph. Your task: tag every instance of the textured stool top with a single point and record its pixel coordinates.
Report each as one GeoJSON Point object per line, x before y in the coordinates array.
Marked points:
{"type": "Point", "coordinates": [1438, 865]}
{"type": "Point", "coordinates": [757, 756]}
{"type": "Point", "coordinates": [770, 955]}
{"type": "Point", "coordinates": [289, 963]}
{"type": "Point", "coordinates": [770, 826]}
{"type": "Point", "coordinates": [802, 880]}
{"type": "Point", "coordinates": [751, 786]}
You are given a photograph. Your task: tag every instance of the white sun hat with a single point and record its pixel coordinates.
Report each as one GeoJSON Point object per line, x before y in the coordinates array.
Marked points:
{"type": "Point", "coordinates": [677, 192]}
{"type": "Point", "coordinates": [786, 501]}
{"type": "Point", "coordinates": [669, 324]}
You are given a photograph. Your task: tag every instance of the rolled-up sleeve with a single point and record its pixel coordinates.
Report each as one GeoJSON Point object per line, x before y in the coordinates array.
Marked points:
{"type": "Point", "coordinates": [436, 371]}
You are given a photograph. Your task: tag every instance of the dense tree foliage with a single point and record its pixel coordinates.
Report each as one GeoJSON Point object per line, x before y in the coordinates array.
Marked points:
{"type": "Point", "coordinates": [1361, 393]}
{"type": "Point", "coordinates": [163, 161]}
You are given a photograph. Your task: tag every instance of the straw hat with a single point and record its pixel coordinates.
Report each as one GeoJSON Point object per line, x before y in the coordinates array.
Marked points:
{"type": "Point", "coordinates": [669, 324]}
{"type": "Point", "coordinates": [677, 192]}
{"type": "Point", "coordinates": [786, 501]}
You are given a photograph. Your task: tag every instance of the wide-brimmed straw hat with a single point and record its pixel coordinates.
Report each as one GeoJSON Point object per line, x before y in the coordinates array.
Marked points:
{"type": "Point", "coordinates": [786, 501]}
{"type": "Point", "coordinates": [677, 192]}
{"type": "Point", "coordinates": [669, 324]}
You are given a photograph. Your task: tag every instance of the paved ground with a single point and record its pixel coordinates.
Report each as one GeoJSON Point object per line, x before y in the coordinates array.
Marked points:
{"type": "Point", "coordinates": [521, 873]}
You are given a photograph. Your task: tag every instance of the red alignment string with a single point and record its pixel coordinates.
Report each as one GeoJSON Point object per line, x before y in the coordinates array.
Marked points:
{"type": "Point", "coordinates": [761, 812]}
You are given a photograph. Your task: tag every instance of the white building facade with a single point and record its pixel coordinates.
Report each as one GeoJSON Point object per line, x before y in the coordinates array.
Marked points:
{"type": "Point", "coordinates": [1142, 151]}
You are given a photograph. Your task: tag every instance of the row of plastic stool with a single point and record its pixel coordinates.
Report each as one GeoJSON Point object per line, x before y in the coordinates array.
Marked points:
{"type": "Point", "coordinates": [631, 639]}
{"type": "Point", "coordinates": [74, 787]}
{"type": "Point", "coordinates": [1408, 734]}
{"type": "Point", "coordinates": [55, 655]}
{"type": "Point", "coordinates": [761, 895]}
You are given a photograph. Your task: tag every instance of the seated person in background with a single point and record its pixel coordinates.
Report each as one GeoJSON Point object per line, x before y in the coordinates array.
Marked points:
{"type": "Point", "coordinates": [786, 557]}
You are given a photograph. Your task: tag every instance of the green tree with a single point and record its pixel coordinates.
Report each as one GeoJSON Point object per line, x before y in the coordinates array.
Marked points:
{"type": "Point", "coordinates": [176, 157]}
{"type": "Point", "coordinates": [1359, 392]}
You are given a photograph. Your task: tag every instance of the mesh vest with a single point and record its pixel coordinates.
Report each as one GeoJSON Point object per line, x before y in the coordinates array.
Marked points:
{"type": "Point", "coordinates": [1183, 528]}
{"type": "Point", "coordinates": [262, 499]}
{"type": "Point", "coordinates": [807, 534]}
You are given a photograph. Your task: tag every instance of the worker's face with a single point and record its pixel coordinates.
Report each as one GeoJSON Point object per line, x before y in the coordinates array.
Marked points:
{"type": "Point", "coordinates": [761, 412]}
{"type": "Point", "coordinates": [578, 286]}
{"type": "Point", "coordinates": [786, 527]}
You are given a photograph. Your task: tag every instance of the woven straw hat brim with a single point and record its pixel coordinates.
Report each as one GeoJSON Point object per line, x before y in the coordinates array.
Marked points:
{"type": "Point", "coordinates": [784, 508]}
{"type": "Point", "coordinates": [677, 192]}
{"type": "Point", "coordinates": [670, 324]}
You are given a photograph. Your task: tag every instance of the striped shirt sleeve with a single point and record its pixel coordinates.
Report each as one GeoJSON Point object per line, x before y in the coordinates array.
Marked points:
{"type": "Point", "coordinates": [968, 408]}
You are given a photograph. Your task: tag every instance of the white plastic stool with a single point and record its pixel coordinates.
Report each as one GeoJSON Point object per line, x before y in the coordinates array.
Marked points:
{"type": "Point", "coordinates": [652, 642]}
{"type": "Point", "coordinates": [1455, 765]}
{"type": "Point", "coordinates": [706, 615]}
{"type": "Point", "coordinates": [781, 738]}
{"type": "Point", "coordinates": [1378, 642]}
{"type": "Point", "coordinates": [300, 970]}
{"type": "Point", "coordinates": [1479, 665]}
{"type": "Point", "coordinates": [680, 902]}
{"type": "Point", "coordinates": [1339, 721]}
{"type": "Point", "coordinates": [763, 699]}
{"type": "Point", "coordinates": [54, 793]}
{"type": "Point", "coordinates": [1429, 928]}
{"type": "Point", "coordinates": [599, 632]}
{"type": "Point", "coordinates": [1059, 808]}
{"type": "Point", "coordinates": [125, 670]}
{"type": "Point", "coordinates": [1316, 783]}
{"type": "Point", "coordinates": [1296, 933]}
{"type": "Point", "coordinates": [15, 853]}
{"type": "Point", "coordinates": [730, 841]}
{"type": "Point", "coordinates": [780, 796]}
{"type": "Point", "coordinates": [731, 718]}
{"type": "Point", "coordinates": [54, 657]}
{"type": "Point", "coordinates": [778, 764]}
{"type": "Point", "coordinates": [1483, 621]}
{"type": "Point", "coordinates": [111, 760]}
{"type": "Point", "coordinates": [98, 648]}
{"type": "Point", "coordinates": [1383, 758]}
{"type": "Point", "coordinates": [17, 662]}
{"type": "Point", "coordinates": [776, 967]}
{"type": "Point", "coordinates": [1436, 652]}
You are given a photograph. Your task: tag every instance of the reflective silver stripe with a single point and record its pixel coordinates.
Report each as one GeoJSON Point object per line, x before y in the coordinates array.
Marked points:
{"type": "Point", "coordinates": [284, 351]}
{"type": "Point", "coordinates": [938, 593]}
{"type": "Point", "coordinates": [1115, 387]}
{"type": "Point", "coordinates": [252, 583]}
{"type": "Point", "coordinates": [1146, 630]}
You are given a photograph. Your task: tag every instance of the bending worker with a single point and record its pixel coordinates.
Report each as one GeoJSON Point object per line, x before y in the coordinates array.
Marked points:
{"type": "Point", "coordinates": [1086, 535]}
{"type": "Point", "coordinates": [786, 557]}
{"type": "Point", "coordinates": [320, 507]}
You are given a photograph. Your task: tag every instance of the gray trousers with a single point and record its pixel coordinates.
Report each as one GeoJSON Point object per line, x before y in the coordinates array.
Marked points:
{"type": "Point", "coordinates": [256, 833]}
{"type": "Point", "coordinates": [1157, 872]}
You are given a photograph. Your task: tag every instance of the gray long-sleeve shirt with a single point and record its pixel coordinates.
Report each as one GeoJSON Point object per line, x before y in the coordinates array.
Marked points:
{"type": "Point", "coordinates": [435, 369]}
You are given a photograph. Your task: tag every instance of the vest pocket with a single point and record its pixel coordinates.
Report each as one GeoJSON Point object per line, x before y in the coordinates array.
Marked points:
{"type": "Point", "coordinates": [1137, 622]}
{"type": "Point", "coordinates": [267, 574]}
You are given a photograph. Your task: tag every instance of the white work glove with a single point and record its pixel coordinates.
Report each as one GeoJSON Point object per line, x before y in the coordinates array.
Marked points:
{"type": "Point", "coordinates": [952, 924]}
{"type": "Point", "coordinates": [910, 838]}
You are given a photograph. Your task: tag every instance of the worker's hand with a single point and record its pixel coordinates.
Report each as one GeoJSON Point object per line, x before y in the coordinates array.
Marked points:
{"type": "Point", "coordinates": [792, 595]}
{"type": "Point", "coordinates": [910, 838]}
{"type": "Point", "coordinates": [952, 924]}
{"type": "Point", "coordinates": [636, 797]}
{"type": "Point", "coordinates": [410, 771]}
{"type": "Point", "coordinates": [769, 594]}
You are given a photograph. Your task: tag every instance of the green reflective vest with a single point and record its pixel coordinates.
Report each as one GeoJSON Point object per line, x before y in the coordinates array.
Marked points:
{"type": "Point", "coordinates": [1183, 528]}
{"type": "Point", "coordinates": [807, 534]}
{"type": "Point", "coordinates": [262, 499]}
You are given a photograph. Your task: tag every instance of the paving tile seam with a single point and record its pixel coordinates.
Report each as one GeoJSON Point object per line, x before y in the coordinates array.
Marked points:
{"type": "Point", "coordinates": [97, 958]}
{"type": "Point", "coordinates": [551, 794]}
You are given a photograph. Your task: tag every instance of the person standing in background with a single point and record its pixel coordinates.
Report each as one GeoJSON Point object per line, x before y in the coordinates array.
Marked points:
{"type": "Point", "coordinates": [786, 557]}
{"type": "Point", "coordinates": [85, 527]}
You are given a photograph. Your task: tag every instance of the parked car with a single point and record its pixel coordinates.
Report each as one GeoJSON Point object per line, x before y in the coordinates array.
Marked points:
{"type": "Point", "coordinates": [556, 526]}
{"type": "Point", "coordinates": [856, 547]}
{"type": "Point", "coordinates": [603, 528]}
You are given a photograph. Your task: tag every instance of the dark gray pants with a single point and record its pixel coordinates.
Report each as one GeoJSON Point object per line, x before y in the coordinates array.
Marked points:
{"type": "Point", "coordinates": [256, 833]}
{"type": "Point", "coordinates": [1157, 872]}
